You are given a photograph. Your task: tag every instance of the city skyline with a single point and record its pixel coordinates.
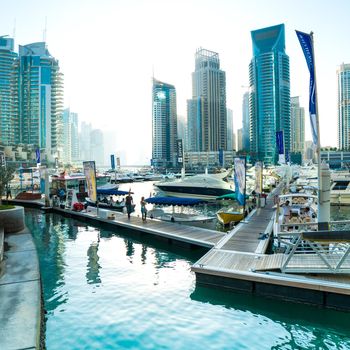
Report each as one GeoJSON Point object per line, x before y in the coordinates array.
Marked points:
{"type": "Point", "coordinates": [107, 40]}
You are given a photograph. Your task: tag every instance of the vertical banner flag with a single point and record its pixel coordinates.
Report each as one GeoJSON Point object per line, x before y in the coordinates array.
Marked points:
{"type": "Point", "coordinates": [239, 164]}
{"type": "Point", "coordinates": [280, 147]}
{"type": "Point", "coordinates": [90, 174]}
{"type": "Point", "coordinates": [180, 151]}
{"type": "Point", "coordinates": [258, 177]}
{"type": "Point", "coordinates": [307, 46]}
{"type": "Point", "coordinates": [221, 157]}
{"type": "Point", "coordinates": [112, 162]}
{"type": "Point", "coordinates": [37, 156]}
{"type": "Point", "coordinates": [118, 162]}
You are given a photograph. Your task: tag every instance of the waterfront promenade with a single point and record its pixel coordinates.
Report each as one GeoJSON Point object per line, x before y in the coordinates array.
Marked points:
{"type": "Point", "coordinates": [20, 294]}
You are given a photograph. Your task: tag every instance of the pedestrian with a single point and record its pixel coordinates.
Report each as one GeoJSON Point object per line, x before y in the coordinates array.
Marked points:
{"type": "Point", "coordinates": [129, 204]}
{"type": "Point", "coordinates": [8, 192]}
{"type": "Point", "coordinates": [286, 211]}
{"type": "Point", "coordinates": [143, 209]}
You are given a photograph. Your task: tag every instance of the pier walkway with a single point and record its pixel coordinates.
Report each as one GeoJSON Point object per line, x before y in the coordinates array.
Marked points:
{"type": "Point", "coordinates": [170, 230]}
{"type": "Point", "coordinates": [239, 262]}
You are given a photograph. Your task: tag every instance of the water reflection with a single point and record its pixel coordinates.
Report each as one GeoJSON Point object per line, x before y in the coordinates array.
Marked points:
{"type": "Point", "coordinates": [307, 327]}
{"type": "Point", "coordinates": [93, 266]}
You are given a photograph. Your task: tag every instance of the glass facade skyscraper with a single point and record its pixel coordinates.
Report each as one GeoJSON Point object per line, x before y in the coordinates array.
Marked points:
{"type": "Point", "coordinates": [70, 136]}
{"type": "Point", "coordinates": [297, 126]}
{"type": "Point", "coordinates": [207, 120]}
{"type": "Point", "coordinates": [7, 118]}
{"type": "Point", "coordinates": [269, 98]}
{"type": "Point", "coordinates": [38, 94]}
{"type": "Point", "coordinates": [343, 75]}
{"type": "Point", "coordinates": [245, 123]}
{"type": "Point", "coordinates": [164, 125]}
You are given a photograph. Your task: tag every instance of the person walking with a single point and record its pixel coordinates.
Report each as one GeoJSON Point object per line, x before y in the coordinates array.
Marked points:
{"type": "Point", "coordinates": [143, 209]}
{"type": "Point", "coordinates": [129, 204]}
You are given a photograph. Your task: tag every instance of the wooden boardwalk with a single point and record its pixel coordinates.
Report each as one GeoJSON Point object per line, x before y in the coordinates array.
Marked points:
{"type": "Point", "coordinates": [170, 230]}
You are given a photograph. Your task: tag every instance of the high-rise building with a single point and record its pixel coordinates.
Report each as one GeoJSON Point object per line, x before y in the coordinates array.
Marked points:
{"type": "Point", "coordinates": [343, 75]}
{"type": "Point", "coordinates": [182, 131]}
{"type": "Point", "coordinates": [297, 118]}
{"type": "Point", "coordinates": [39, 99]}
{"type": "Point", "coordinates": [269, 97]}
{"type": "Point", "coordinates": [85, 141]}
{"type": "Point", "coordinates": [164, 125]}
{"type": "Point", "coordinates": [70, 135]}
{"type": "Point", "coordinates": [245, 122]}
{"type": "Point", "coordinates": [7, 121]}
{"type": "Point", "coordinates": [207, 121]}
{"type": "Point", "coordinates": [229, 117]}
{"type": "Point", "coordinates": [97, 147]}
{"type": "Point", "coordinates": [240, 139]}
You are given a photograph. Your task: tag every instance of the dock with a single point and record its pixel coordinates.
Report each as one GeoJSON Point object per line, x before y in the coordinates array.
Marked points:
{"type": "Point", "coordinates": [240, 262]}
{"type": "Point", "coordinates": [171, 231]}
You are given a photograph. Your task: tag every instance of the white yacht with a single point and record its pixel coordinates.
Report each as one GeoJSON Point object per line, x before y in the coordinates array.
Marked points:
{"type": "Point", "coordinates": [204, 186]}
{"type": "Point", "coordinates": [340, 188]}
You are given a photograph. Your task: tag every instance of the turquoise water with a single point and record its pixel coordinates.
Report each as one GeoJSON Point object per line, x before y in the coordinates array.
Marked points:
{"type": "Point", "coordinates": [107, 290]}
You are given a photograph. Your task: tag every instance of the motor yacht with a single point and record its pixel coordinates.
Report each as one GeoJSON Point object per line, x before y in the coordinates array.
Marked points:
{"type": "Point", "coordinates": [203, 186]}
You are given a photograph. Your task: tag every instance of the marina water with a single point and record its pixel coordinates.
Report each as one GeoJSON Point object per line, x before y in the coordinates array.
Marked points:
{"type": "Point", "coordinates": [121, 290]}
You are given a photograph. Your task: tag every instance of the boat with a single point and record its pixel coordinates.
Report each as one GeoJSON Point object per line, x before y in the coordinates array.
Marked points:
{"type": "Point", "coordinates": [173, 215]}
{"type": "Point", "coordinates": [302, 208]}
{"type": "Point", "coordinates": [231, 213]}
{"type": "Point", "coordinates": [340, 188]}
{"type": "Point", "coordinates": [226, 216]}
{"type": "Point", "coordinates": [60, 185]}
{"type": "Point", "coordinates": [203, 186]}
{"type": "Point", "coordinates": [106, 201]}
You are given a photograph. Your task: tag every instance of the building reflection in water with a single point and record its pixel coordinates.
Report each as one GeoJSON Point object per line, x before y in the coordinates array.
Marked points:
{"type": "Point", "coordinates": [93, 266]}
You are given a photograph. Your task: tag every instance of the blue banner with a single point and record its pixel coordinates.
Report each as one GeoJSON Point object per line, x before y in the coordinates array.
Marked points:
{"type": "Point", "coordinates": [239, 164]}
{"type": "Point", "coordinates": [279, 142]}
{"type": "Point", "coordinates": [221, 157]}
{"type": "Point", "coordinates": [307, 46]}
{"type": "Point", "coordinates": [37, 155]}
{"type": "Point", "coordinates": [112, 162]}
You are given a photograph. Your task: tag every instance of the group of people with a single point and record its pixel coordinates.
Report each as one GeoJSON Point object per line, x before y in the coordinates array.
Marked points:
{"type": "Point", "coordinates": [129, 203]}
{"type": "Point", "coordinates": [305, 215]}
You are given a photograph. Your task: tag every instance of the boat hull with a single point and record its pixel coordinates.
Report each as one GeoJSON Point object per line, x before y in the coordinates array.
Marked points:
{"type": "Point", "coordinates": [226, 218]}
{"type": "Point", "coordinates": [207, 193]}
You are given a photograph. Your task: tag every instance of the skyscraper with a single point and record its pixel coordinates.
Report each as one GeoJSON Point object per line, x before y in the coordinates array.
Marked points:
{"type": "Point", "coordinates": [245, 122]}
{"type": "Point", "coordinates": [70, 136]}
{"type": "Point", "coordinates": [207, 120]}
{"type": "Point", "coordinates": [230, 145]}
{"type": "Point", "coordinates": [164, 124]}
{"type": "Point", "coordinates": [297, 126]}
{"type": "Point", "coordinates": [343, 75]}
{"type": "Point", "coordinates": [97, 146]}
{"type": "Point", "coordinates": [269, 98]}
{"type": "Point", "coordinates": [39, 99]}
{"type": "Point", "coordinates": [85, 141]}
{"type": "Point", "coordinates": [7, 121]}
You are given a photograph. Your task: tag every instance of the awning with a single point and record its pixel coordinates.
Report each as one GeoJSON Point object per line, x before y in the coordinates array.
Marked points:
{"type": "Point", "coordinates": [174, 201]}
{"type": "Point", "coordinates": [107, 192]}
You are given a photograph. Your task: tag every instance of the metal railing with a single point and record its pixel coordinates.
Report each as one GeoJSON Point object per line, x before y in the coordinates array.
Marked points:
{"type": "Point", "coordinates": [317, 251]}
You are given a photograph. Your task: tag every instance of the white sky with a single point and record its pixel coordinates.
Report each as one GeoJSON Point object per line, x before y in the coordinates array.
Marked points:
{"type": "Point", "coordinates": [108, 49]}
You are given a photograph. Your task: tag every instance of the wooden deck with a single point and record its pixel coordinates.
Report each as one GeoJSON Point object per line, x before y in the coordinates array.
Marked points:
{"type": "Point", "coordinates": [171, 230]}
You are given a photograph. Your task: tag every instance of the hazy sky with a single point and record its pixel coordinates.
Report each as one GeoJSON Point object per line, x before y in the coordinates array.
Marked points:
{"type": "Point", "coordinates": [108, 50]}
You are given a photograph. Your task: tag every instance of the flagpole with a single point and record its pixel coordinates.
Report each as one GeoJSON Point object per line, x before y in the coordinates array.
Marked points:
{"type": "Point", "coordinates": [318, 146]}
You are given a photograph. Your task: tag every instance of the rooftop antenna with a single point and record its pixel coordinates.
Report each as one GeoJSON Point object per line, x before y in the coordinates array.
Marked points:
{"type": "Point", "coordinates": [45, 30]}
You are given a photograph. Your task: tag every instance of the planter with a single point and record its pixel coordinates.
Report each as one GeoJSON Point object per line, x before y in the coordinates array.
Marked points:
{"type": "Point", "coordinates": [12, 220]}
